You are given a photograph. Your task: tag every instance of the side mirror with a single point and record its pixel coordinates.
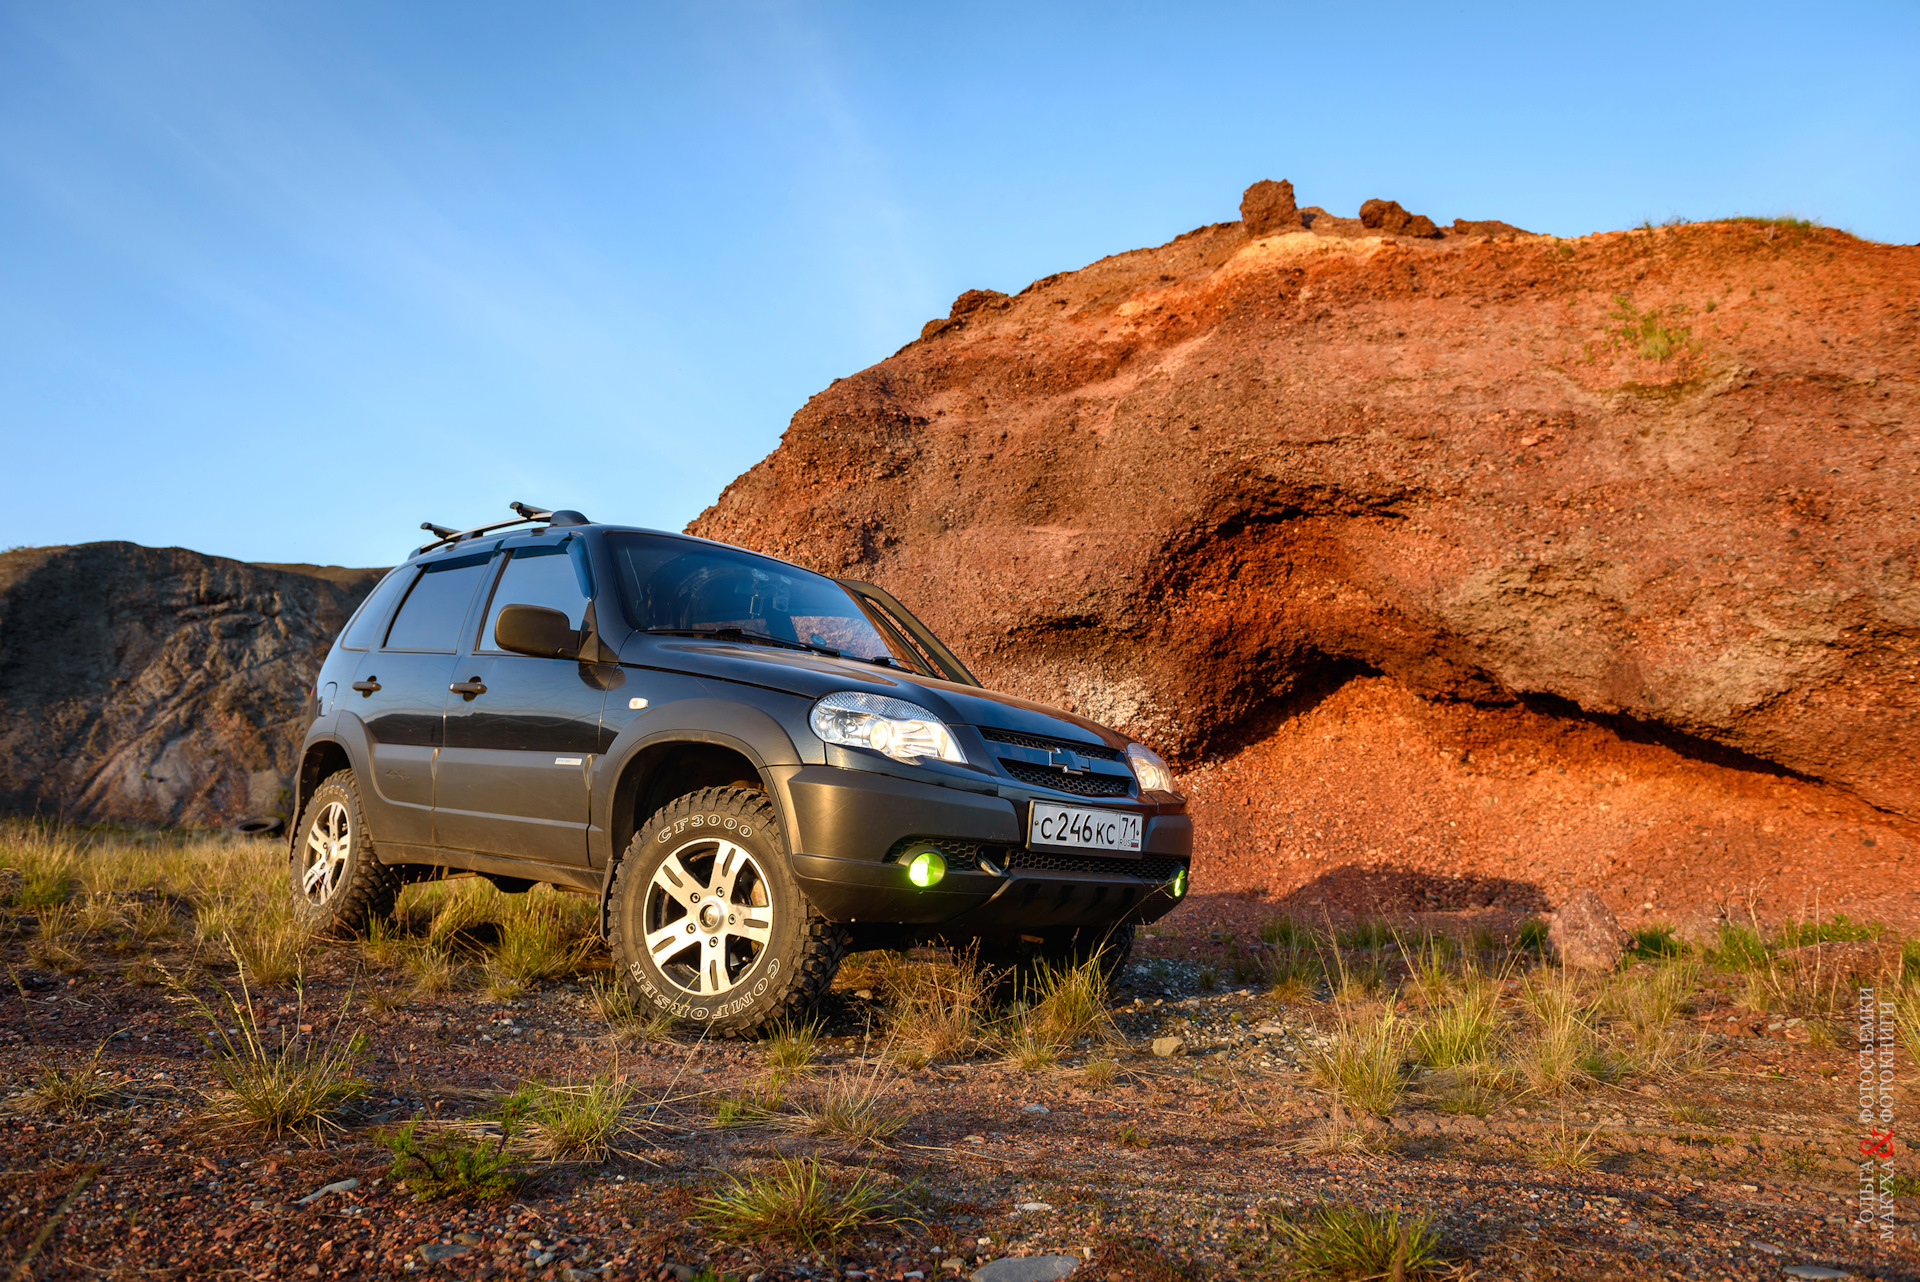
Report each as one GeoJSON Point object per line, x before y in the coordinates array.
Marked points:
{"type": "Point", "coordinates": [536, 630]}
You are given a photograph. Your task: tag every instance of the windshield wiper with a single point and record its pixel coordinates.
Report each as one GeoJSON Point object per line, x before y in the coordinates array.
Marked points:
{"type": "Point", "coordinates": [741, 634]}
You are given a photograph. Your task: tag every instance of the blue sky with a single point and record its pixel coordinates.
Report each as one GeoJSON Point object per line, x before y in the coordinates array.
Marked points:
{"type": "Point", "coordinates": [280, 281]}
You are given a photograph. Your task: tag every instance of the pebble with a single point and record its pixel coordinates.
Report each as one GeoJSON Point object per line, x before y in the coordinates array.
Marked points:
{"type": "Point", "coordinates": [339, 1186]}
{"type": "Point", "coordinates": [1026, 1268]}
{"type": "Point", "coordinates": [1167, 1047]}
{"type": "Point", "coordinates": [1035, 1108]}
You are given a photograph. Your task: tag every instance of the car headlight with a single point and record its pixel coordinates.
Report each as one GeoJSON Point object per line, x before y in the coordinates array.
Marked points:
{"type": "Point", "coordinates": [904, 731]}
{"type": "Point", "coordinates": [1149, 769]}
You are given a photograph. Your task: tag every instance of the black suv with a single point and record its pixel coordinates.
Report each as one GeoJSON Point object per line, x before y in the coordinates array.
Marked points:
{"type": "Point", "coordinates": [755, 767]}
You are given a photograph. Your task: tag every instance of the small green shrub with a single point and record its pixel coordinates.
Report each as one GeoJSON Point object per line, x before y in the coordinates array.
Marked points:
{"type": "Point", "coordinates": [1532, 937]}
{"type": "Point", "coordinates": [445, 1164]}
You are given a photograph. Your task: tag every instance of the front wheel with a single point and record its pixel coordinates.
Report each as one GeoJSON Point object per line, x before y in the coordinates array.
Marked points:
{"type": "Point", "coordinates": [338, 883]}
{"type": "Point", "coordinates": [707, 923]}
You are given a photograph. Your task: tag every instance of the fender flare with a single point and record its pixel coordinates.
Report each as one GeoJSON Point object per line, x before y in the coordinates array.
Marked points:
{"type": "Point", "coordinates": [753, 734]}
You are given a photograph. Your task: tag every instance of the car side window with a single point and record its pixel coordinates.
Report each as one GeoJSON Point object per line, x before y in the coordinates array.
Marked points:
{"type": "Point", "coordinates": [430, 617]}
{"type": "Point", "coordinates": [543, 576]}
{"type": "Point", "coordinates": [364, 628]}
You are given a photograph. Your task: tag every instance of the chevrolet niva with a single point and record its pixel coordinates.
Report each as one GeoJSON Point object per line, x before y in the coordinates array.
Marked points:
{"type": "Point", "coordinates": [756, 768]}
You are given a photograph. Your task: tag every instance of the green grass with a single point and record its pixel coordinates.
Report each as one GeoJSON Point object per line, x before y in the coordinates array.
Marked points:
{"type": "Point", "coordinates": [1461, 1033]}
{"type": "Point", "coordinates": [294, 1085]}
{"type": "Point", "coordinates": [1836, 929]}
{"type": "Point", "coordinates": [1356, 1245]}
{"type": "Point", "coordinates": [795, 1202]}
{"type": "Point", "coordinates": [1739, 948]}
{"type": "Point", "coordinates": [1650, 333]}
{"type": "Point", "coordinates": [1656, 943]}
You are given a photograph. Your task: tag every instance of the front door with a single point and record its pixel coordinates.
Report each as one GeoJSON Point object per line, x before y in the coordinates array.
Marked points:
{"type": "Point", "coordinates": [521, 732]}
{"type": "Point", "coordinates": [400, 693]}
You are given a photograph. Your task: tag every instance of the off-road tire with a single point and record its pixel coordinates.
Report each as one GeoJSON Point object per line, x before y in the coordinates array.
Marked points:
{"type": "Point", "coordinates": [737, 991]}
{"type": "Point", "coordinates": [361, 889]}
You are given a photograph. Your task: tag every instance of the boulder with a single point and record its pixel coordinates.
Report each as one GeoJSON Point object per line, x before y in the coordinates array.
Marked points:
{"type": "Point", "coordinates": [1267, 207]}
{"type": "Point", "coordinates": [1389, 217]}
{"type": "Point", "coordinates": [1584, 933]}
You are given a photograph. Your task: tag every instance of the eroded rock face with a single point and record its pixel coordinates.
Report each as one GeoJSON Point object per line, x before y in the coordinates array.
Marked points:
{"type": "Point", "coordinates": [1660, 482]}
{"type": "Point", "coordinates": [158, 685]}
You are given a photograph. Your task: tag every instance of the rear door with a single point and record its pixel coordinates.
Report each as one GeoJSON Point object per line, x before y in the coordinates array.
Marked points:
{"type": "Point", "coordinates": [400, 694]}
{"type": "Point", "coordinates": [522, 733]}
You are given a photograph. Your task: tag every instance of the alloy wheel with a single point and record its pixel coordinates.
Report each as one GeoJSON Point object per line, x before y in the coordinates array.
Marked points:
{"type": "Point", "coordinates": [329, 842]}
{"type": "Point", "coordinates": [708, 916]}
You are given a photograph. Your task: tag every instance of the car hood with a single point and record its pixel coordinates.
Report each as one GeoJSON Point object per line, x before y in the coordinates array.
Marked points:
{"type": "Point", "coordinates": [812, 675]}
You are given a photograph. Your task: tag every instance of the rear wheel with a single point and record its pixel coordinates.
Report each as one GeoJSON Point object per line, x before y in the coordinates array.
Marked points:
{"type": "Point", "coordinates": [339, 885]}
{"type": "Point", "coordinates": [707, 923]}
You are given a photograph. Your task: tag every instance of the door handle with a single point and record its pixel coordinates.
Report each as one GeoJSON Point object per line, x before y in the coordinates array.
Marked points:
{"type": "Point", "coordinates": [368, 686]}
{"type": "Point", "coordinates": [468, 688]}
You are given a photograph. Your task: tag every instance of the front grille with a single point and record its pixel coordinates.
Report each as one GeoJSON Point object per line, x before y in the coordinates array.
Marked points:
{"type": "Point", "coordinates": [1079, 785]}
{"type": "Point", "coordinates": [1150, 867]}
{"type": "Point", "coordinates": [1097, 750]}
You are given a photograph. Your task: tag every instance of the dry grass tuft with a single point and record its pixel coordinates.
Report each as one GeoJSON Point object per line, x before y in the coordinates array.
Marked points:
{"type": "Point", "coordinates": [69, 1090]}
{"type": "Point", "coordinates": [934, 1010]}
{"type": "Point", "coordinates": [851, 1106]}
{"type": "Point", "coordinates": [790, 1050]}
{"type": "Point", "coordinates": [1566, 1150]}
{"type": "Point", "coordinates": [795, 1202]}
{"type": "Point", "coordinates": [1357, 1245]}
{"type": "Point", "coordinates": [1363, 1062]}
{"type": "Point", "coordinates": [296, 1086]}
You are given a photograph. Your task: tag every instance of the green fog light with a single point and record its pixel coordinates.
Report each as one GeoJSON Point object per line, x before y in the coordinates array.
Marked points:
{"type": "Point", "coordinates": [1178, 886]}
{"type": "Point", "coordinates": [926, 869]}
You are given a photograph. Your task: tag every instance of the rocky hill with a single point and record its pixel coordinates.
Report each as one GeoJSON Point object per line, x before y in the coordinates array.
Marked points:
{"type": "Point", "coordinates": [1465, 563]}
{"type": "Point", "coordinates": [158, 685]}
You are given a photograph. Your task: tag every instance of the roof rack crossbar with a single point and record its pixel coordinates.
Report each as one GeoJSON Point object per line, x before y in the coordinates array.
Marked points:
{"type": "Point", "coordinates": [527, 513]}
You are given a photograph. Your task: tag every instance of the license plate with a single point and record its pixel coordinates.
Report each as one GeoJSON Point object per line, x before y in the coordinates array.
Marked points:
{"type": "Point", "coordinates": [1050, 825]}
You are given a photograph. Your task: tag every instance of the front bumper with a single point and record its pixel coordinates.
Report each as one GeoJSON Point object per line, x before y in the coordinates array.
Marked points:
{"type": "Point", "coordinates": [846, 825]}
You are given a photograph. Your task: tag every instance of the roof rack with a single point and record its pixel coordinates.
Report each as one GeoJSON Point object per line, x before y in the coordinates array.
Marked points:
{"type": "Point", "coordinates": [443, 535]}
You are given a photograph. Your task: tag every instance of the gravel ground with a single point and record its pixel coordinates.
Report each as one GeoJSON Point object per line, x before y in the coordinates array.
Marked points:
{"type": "Point", "coordinates": [1168, 1168]}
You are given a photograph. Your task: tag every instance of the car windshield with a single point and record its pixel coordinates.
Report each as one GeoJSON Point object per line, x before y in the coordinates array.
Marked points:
{"type": "Point", "coordinates": [672, 585]}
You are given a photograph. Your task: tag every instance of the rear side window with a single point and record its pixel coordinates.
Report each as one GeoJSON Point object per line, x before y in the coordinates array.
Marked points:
{"type": "Point", "coordinates": [543, 576]}
{"type": "Point", "coordinates": [430, 617]}
{"type": "Point", "coordinates": [367, 621]}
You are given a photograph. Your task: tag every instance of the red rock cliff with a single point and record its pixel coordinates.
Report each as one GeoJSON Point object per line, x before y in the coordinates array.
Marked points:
{"type": "Point", "coordinates": [1605, 548]}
